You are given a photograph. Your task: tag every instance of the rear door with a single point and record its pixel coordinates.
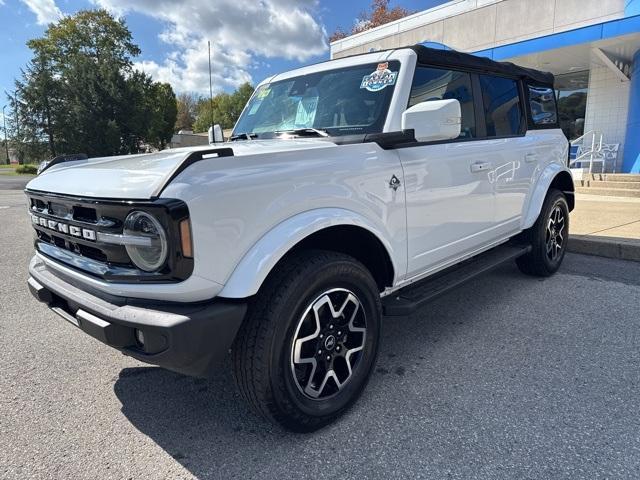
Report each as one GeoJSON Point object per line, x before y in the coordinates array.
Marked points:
{"type": "Point", "coordinates": [513, 157]}
{"type": "Point", "coordinates": [545, 140]}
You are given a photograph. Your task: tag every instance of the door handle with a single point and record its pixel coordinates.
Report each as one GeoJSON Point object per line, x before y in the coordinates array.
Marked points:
{"type": "Point", "coordinates": [480, 167]}
{"type": "Point", "coordinates": [531, 157]}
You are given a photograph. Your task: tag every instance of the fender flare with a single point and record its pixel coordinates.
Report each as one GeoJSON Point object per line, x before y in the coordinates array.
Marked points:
{"type": "Point", "coordinates": [544, 182]}
{"type": "Point", "coordinates": [257, 263]}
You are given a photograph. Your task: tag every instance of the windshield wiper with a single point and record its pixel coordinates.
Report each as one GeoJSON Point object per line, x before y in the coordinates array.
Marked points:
{"type": "Point", "coordinates": [243, 136]}
{"type": "Point", "coordinates": [305, 131]}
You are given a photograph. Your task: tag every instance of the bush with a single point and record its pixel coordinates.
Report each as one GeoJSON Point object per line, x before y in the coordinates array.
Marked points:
{"type": "Point", "coordinates": [27, 169]}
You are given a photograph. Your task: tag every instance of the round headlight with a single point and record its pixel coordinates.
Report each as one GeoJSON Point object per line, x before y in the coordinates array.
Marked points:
{"type": "Point", "coordinates": [150, 252]}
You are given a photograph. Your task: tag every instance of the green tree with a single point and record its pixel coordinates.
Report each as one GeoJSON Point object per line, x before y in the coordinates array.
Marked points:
{"type": "Point", "coordinates": [163, 110]}
{"type": "Point", "coordinates": [93, 34]}
{"type": "Point", "coordinates": [239, 99]}
{"type": "Point", "coordinates": [40, 96]}
{"type": "Point", "coordinates": [134, 116]}
{"type": "Point", "coordinates": [81, 93]}
{"type": "Point", "coordinates": [226, 108]}
{"type": "Point", "coordinates": [20, 135]}
{"type": "Point", "coordinates": [205, 117]}
{"type": "Point", "coordinates": [187, 111]}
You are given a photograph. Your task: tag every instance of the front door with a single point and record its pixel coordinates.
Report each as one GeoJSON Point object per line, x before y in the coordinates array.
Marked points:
{"type": "Point", "coordinates": [449, 195]}
{"type": "Point", "coordinates": [449, 201]}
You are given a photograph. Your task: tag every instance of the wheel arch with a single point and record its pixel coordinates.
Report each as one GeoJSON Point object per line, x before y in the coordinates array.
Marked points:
{"type": "Point", "coordinates": [554, 176]}
{"type": "Point", "coordinates": [332, 229]}
{"type": "Point", "coordinates": [563, 181]}
{"type": "Point", "coordinates": [356, 242]}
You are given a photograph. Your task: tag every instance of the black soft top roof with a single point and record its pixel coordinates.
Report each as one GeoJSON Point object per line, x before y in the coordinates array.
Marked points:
{"type": "Point", "coordinates": [452, 58]}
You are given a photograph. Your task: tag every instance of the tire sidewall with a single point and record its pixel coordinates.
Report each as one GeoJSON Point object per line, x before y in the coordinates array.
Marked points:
{"type": "Point", "coordinates": [345, 274]}
{"type": "Point", "coordinates": [556, 198]}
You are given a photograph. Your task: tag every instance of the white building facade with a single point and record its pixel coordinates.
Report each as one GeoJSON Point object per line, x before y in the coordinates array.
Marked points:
{"type": "Point", "coordinates": [592, 46]}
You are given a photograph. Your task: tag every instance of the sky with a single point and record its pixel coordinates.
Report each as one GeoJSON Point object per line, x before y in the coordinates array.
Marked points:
{"type": "Point", "coordinates": [251, 39]}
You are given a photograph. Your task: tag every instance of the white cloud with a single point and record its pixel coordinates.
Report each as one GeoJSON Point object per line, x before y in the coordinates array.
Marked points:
{"type": "Point", "coordinates": [238, 31]}
{"type": "Point", "coordinates": [189, 70]}
{"type": "Point", "coordinates": [46, 10]}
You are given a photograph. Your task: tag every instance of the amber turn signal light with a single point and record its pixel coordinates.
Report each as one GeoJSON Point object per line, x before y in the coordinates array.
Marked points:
{"type": "Point", "coordinates": [185, 238]}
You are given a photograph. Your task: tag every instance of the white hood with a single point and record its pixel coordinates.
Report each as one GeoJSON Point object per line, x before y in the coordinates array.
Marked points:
{"type": "Point", "coordinates": [138, 177]}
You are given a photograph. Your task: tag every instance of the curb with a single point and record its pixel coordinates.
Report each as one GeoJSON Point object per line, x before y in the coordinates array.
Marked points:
{"type": "Point", "coordinates": [617, 248]}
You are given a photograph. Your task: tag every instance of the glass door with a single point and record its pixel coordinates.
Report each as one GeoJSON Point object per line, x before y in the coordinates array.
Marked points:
{"type": "Point", "coordinates": [572, 89]}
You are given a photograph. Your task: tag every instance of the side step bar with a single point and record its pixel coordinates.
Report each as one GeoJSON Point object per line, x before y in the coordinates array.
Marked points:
{"type": "Point", "coordinates": [412, 297]}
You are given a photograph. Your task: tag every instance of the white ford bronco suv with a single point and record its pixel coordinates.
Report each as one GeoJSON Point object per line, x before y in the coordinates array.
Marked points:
{"type": "Point", "coordinates": [350, 190]}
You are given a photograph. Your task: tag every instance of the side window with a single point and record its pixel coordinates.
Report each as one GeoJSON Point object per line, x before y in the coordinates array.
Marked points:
{"type": "Point", "coordinates": [501, 101]}
{"type": "Point", "coordinates": [438, 84]}
{"type": "Point", "coordinates": [543, 106]}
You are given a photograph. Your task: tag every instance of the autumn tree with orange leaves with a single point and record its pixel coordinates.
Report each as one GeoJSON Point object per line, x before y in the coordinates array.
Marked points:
{"type": "Point", "coordinates": [379, 14]}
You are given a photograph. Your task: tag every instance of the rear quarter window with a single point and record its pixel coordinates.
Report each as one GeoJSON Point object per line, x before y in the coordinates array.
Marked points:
{"type": "Point", "coordinates": [542, 101]}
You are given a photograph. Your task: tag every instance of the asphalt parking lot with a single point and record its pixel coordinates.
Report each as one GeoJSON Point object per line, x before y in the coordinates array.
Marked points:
{"type": "Point", "coordinates": [13, 182]}
{"type": "Point", "coordinates": [507, 377]}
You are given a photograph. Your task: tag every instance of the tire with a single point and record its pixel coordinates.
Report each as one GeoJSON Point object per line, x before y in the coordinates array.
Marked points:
{"type": "Point", "coordinates": [318, 313]}
{"type": "Point", "coordinates": [548, 237]}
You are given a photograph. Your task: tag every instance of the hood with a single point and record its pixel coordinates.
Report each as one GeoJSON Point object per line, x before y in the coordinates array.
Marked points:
{"type": "Point", "coordinates": [139, 177]}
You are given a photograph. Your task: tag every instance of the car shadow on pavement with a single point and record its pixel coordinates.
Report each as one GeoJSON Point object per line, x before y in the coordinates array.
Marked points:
{"type": "Point", "coordinates": [204, 424]}
{"type": "Point", "coordinates": [196, 421]}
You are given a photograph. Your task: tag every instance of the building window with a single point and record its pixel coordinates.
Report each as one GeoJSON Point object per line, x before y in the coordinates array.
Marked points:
{"type": "Point", "coordinates": [438, 84]}
{"type": "Point", "coordinates": [501, 101]}
{"type": "Point", "coordinates": [571, 90]}
{"type": "Point", "coordinates": [543, 106]}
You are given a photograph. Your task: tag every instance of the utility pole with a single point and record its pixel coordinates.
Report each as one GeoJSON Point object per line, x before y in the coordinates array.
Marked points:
{"type": "Point", "coordinates": [14, 99]}
{"type": "Point", "coordinates": [6, 138]}
{"type": "Point", "coordinates": [15, 112]}
{"type": "Point", "coordinates": [210, 87]}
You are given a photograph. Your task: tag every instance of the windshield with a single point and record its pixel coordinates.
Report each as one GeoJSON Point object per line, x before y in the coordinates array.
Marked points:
{"type": "Point", "coordinates": [344, 101]}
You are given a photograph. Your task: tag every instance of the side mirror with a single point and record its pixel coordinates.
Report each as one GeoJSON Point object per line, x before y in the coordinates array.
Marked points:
{"type": "Point", "coordinates": [215, 134]}
{"type": "Point", "coordinates": [434, 120]}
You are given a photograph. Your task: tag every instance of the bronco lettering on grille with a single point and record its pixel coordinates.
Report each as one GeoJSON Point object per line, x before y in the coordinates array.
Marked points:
{"type": "Point", "coordinates": [64, 228]}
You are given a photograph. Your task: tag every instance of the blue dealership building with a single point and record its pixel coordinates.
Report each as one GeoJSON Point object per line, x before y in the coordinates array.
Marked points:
{"type": "Point", "coordinates": [591, 46]}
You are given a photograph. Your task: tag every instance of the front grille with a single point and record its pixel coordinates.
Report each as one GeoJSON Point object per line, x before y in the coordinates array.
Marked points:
{"type": "Point", "coordinates": [68, 230]}
{"type": "Point", "coordinates": [72, 225]}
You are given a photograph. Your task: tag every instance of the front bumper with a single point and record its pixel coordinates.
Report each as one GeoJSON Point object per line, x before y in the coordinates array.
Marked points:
{"type": "Point", "coordinates": [187, 338]}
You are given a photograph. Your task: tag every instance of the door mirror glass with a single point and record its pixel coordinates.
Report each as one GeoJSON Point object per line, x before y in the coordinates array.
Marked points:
{"type": "Point", "coordinates": [434, 121]}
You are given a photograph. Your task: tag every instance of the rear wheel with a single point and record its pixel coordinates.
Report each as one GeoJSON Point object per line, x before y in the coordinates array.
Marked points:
{"type": "Point", "coordinates": [307, 347]}
{"type": "Point", "coordinates": [548, 237]}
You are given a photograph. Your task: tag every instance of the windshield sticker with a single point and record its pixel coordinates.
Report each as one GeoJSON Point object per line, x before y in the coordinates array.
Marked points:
{"type": "Point", "coordinates": [263, 93]}
{"type": "Point", "coordinates": [380, 79]}
{"type": "Point", "coordinates": [306, 113]}
{"type": "Point", "coordinates": [254, 107]}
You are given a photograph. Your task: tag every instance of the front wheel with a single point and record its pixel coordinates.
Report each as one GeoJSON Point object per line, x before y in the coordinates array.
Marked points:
{"type": "Point", "coordinates": [548, 237]}
{"type": "Point", "coordinates": [309, 343]}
